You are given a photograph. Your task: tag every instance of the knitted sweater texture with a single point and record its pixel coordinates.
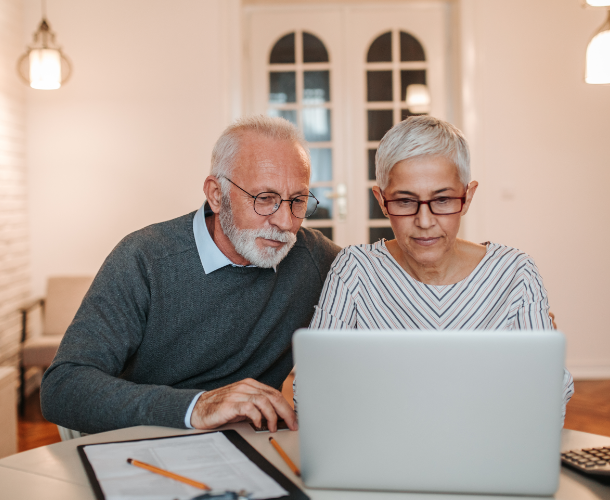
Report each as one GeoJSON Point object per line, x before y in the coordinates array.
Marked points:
{"type": "Point", "coordinates": [154, 329]}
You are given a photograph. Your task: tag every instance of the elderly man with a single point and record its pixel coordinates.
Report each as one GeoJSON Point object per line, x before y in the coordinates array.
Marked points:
{"type": "Point", "coordinates": [189, 322]}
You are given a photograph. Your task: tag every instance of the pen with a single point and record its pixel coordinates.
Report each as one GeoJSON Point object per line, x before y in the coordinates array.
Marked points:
{"type": "Point", "coordinates": [171, 475]}
{"type": "Point", "coordinates": [286, 458]}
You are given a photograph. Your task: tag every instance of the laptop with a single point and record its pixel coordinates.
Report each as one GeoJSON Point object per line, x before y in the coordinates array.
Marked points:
{"type": "Point", "coordinates": [431, 411]}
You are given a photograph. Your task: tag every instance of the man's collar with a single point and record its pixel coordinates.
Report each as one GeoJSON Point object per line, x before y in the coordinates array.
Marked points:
{"type": "Point", "coordinates": [210, 255]}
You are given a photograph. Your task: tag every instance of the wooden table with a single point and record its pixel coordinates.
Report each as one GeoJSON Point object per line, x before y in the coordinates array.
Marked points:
{"type": "Point", "coordinates": [55, 472]}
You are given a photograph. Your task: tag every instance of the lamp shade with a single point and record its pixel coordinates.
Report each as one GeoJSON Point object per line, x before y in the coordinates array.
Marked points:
{"type": "Point", "coordinates": [417, 99]}
{"type": "Point", "coordinates": [598, 3]}
{"type": "Point", "coordinates": [598, 56]}
{"type": "Point", "coordinates": [44, 66]}
{"type": "Point", "coordinates": [45, 69]}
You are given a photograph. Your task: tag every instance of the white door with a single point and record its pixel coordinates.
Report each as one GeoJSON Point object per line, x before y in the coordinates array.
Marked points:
{"type": "Point", "coordinates": [340, 73]}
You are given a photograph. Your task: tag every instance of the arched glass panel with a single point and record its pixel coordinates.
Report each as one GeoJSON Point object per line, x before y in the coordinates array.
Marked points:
{"type": "Point", "coordinates": [283, 51]}
{"type": "Point", "coordinates": [387, 79]}
{"type": "Point", "coordinates": [381, 49]}
{"type": "Point", "coordinates": [299, 90]}
{"type": "Point", "coordinates": [314, 50]}
{"type": "Point", "coordinates": [410, 48]}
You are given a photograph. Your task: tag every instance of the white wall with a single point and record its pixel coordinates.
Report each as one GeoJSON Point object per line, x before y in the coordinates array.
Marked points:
{"type": "Point", "coordinates": [127, 141]}
{"type": "Point", "coordinates": [540, 139]}
{"type": "Point", "coordinates": [14, 245]}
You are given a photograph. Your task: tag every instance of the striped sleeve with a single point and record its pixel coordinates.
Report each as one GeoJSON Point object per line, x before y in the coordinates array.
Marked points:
{"type": "Point", "coordinates": [337, 307]}
{"type": "Point", "coordinates": [534, 314]}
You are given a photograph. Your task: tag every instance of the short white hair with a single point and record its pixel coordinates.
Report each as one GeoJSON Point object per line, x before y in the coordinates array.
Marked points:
{"type": "Point", "coordinates": [421, 136]}
{"type": "Point", "coordinates": [227, 146]}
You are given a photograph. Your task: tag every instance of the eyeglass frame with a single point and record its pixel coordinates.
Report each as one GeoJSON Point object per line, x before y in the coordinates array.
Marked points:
{"type": "Point", "coordinates": [280, 203]}
{"type": "Point", "coordinates": [425, 202]}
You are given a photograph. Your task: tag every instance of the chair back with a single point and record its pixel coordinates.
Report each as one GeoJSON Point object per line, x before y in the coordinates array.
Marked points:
{"type": "Point", "coordinates": [64, 296]}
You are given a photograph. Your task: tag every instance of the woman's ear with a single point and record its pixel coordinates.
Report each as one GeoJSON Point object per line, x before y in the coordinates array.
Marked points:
{"type": "Point", "coordinates": [213, 192]}
{"type": "Point", "coordinates": [470, 190]}
{"type": "Point", "coordinates": [379, 196]}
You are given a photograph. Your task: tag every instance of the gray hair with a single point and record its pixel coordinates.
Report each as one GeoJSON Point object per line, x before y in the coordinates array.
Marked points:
{"type": "Point", "coordinates": [227, 146]}
{"type": "Point", "coordinates": [421, 136]}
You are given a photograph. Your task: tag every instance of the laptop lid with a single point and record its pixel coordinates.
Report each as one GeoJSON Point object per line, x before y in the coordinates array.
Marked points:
{"type": "Point", "coordinates": [444, 411]}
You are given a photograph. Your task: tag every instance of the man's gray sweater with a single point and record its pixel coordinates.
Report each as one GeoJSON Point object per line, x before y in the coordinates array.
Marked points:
{"type": "Point", "coordinates": [154, 329]}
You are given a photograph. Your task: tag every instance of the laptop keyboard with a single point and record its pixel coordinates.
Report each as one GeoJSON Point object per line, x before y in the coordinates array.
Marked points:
{"type": "Point", "coordinates": [594, 461]}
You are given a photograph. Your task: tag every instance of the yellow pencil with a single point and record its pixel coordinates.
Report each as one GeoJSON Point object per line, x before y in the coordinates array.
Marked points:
{"type": "Point", "coordinates": [171, 475]}
{"type": "Point", "coordinates": [286, 458]}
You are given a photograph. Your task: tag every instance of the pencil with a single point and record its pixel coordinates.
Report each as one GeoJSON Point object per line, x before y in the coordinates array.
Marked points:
{"type": "Point", "coordinates": [171, 475]}
{"type": "Point", "coordinates": [286, 458]}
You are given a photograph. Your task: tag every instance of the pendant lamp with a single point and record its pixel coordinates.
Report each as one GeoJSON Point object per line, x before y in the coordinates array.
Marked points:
{"type": "Point", "coordinates": [44, 66]}
{"type": "Point", "coordinates": [417, 98]}
{"type": "Point", "coordinates": [598, 54]}
{"type": "Point", "coordinates": [597, 3]}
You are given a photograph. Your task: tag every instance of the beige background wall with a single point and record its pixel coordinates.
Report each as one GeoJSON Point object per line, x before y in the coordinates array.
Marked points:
{"type": "Point", "coordinates": [541, 153]}
{"type": "Point", "coordinates": [126, 143]}
{"type": "Point", "coordinates": [14, 245]}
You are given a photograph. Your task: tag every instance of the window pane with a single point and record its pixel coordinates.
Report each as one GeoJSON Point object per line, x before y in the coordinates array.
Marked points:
{"type": "Point", "coordinates": [325, 208]}
{"type": "Point", "coordinates": [326, 231]}
{"type": "Point", "coordinates": [283, 51]}
{"type": "Point", "coordinates": [316, 88]}
{"type": "Point", "coordinates": [321, 165]}
{"type": "Point", "coordinates": [375, 211]}
{"type": "Point", "coordinates": [316, 124]}
{"type": "Point", "coordinates": [379, 122]}
{"type": "Point", "coordinates": [405, 113]}
{"type": "Point", "coordinates": [410, 48]}
{"type": "Point", "coordinates": [372, 153]}
{"type": "Point", "coordinates": [409, 77]}
{"type": "Point", "coordinates": [289, 114]}
{"type": "Point", "coordinates": [376, 233]}
{"type": "Point", "coordinates": [313, 49]}
{"type": "Point", "coordinates": [379, 86]}
{"type": "Point", "coordinates": [381, 49]}
{"type": "Point", "coordinates": [282, 87]}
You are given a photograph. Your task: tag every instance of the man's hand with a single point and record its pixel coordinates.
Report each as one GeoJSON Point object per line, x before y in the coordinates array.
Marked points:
{"type": "Point", "coordinates": [245, 400]}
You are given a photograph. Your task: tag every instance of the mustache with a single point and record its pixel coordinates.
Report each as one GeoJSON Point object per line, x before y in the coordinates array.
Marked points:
{"type": "Point", "coordinates": [271, 233]}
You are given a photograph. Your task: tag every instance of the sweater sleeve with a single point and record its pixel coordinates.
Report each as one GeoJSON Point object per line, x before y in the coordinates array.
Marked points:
{"type": "Point", "coordinates": [85, 389]}
{"type": "Point", "coordinates": [533, 313]}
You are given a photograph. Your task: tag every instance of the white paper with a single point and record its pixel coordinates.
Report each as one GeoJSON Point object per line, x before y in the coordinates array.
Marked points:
{"type": "Point", "coordinates": [208, 458]}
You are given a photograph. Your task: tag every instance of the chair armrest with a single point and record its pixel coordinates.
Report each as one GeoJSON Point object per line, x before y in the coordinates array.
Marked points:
{"type": "Point", "coordinates": [24, 310]}
{"type": "Point", "coordinates": [31, 304]}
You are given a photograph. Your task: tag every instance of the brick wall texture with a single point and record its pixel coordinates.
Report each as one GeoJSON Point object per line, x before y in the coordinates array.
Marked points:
{"type": "Point", "coordinates": [14, 245]}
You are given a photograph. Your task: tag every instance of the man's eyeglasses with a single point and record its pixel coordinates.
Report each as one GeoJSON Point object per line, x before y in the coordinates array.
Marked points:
{"type": "Point", "coordinates": [438, 206]}
{"type": "Point", "coordinates": [268, 203]}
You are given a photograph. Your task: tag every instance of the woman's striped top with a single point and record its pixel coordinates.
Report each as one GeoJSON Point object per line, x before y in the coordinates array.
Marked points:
{"type": "Point", "coordinates": [367, 288]}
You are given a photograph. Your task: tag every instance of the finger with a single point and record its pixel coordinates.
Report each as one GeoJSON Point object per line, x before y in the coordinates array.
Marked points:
{"type": "Point", "coordinates": [284, 410]}
{"type": "Point", "coordinates": [267, 409]}
{"type": "Point", "coordinates": [248, 409]}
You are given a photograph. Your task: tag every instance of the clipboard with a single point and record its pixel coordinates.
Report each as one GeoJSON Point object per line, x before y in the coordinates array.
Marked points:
{"type": "Point", "coordinates": [294, 492]}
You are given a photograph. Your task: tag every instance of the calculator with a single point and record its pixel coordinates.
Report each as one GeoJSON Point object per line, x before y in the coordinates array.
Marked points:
{"type": "Point", "coordinates": [594, 461]}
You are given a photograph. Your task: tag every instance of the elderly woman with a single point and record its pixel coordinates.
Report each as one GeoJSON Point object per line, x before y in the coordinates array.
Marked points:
{"type": "Point", "coordinates": [428, 278]}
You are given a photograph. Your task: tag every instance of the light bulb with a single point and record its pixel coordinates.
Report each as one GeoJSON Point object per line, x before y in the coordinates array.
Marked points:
{"type": "Point", "coordinates": [598, 3]}
{"type": "Point", "coordinates": [417, 99]}
{"type": "Point", "coordinates": [45, 69]}
{"type": "Point", "coordinates": [598, 56]}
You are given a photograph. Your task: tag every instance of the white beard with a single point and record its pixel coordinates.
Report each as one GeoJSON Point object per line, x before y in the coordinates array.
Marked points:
{"type": "Point", "coordinates": [244, 240]}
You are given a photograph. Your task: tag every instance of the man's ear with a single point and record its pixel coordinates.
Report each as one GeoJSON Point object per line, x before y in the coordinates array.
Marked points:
{"type": "Point", "coordinates": [213, 192]}
{"type": "Point", "coordinates": [379, 196]}
{"type": "Point", "coordinates": [470, 190]}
